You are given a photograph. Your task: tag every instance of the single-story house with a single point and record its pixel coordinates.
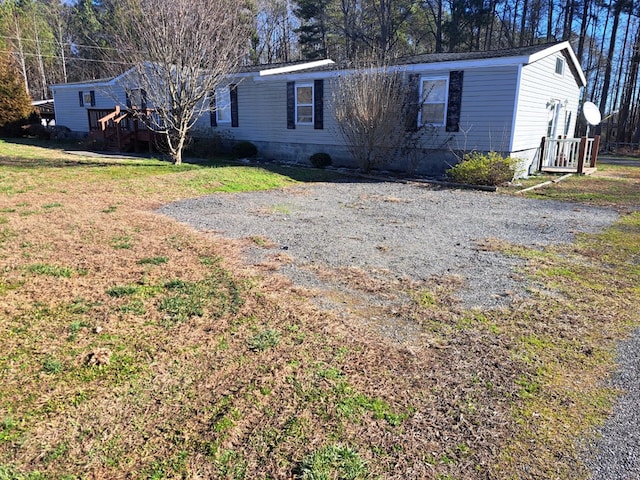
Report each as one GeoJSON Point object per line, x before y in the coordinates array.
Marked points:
{"type": "Point", "coordinates": [505, 101]}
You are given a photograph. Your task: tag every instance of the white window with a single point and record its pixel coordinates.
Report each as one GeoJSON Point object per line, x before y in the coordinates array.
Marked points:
{"type": "Point", "coordinates": [433, 95]}
{"type": "Point", "coordinates": [223, 105]}
{"type": "Point", "coordinates": [304, 103]}
{"type": "Point", "coordinates": [560, 66]}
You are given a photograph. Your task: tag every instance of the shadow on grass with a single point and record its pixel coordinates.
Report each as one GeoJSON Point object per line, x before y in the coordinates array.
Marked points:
{"type": "Point", "coordinates": [87, 158]}
{"type": "Point", "coordinates": [299, 173]}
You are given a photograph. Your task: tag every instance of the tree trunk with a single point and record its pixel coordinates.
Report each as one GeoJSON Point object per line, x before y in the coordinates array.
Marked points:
{"type": "Point", "coordinates": [612, 45]}
{"type": "Point", "coordinates": [583, 30]}
{"type": "Point", "coordinates": [624, 128]}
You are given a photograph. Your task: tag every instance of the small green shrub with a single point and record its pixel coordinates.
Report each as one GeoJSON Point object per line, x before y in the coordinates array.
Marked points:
{"type": "Point", "coordinates": [320, 160]}
{"type": "Point", "coordinates": [484, 169]}
{"type": "Point", "coordinates": [205, 147]}
{"type": "Point", "coordinates": [244, 150]}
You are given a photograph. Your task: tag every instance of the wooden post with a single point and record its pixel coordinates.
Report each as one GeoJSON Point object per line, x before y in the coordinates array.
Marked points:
{"type": "Point", "coordinates": [595, 146]}
{"type": "Point", "coordinates": [542, 146]}
{"type": "Point", "coordinates": [582, 153]}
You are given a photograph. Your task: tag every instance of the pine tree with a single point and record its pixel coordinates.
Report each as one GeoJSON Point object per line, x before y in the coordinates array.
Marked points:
{"type": "Point", "coordinates": [15, 104]}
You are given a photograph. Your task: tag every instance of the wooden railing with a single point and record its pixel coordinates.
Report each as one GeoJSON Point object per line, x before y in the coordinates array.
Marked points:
{"type": "Point", "coordinates": [569, 154]}
{"type": "Point", "coordinates": [122, 129]}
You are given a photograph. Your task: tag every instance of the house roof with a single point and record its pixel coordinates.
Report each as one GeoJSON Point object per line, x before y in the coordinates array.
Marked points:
{"type": "Point", "coordinates": [459, 60]}
{"type": "Point", "coordinates": [427, 61]}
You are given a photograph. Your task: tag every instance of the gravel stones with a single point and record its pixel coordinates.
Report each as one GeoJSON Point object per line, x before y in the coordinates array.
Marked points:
{"type": "Point", "coordinates": [411, 230]}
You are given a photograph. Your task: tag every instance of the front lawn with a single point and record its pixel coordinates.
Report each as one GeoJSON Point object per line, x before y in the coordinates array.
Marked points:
{"type": "Point", "coordinates": [135, 347]}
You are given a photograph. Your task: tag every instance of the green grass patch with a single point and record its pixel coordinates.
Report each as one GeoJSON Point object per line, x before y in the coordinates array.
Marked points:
{"type": "Point", "coordinates": [121, 242]}
{"type": "Point", "coordinates": [153, 261]}
{"type": "Point", "coordinates": [334, 461]}
{"type": "Point", "coordinates": [264, 340]}
{"type": "Point", "coordinates": [123, 290]}
{"type": "Point", "coordinates": [50, 270]}
{"type": "Point", "coordinates": [50, 206]}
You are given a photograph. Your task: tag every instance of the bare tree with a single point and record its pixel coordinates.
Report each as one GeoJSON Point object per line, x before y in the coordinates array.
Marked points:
{"type": "Point", "coordinates": [182, 50]}
{"type": "Point", "coordinates": [376, 111]}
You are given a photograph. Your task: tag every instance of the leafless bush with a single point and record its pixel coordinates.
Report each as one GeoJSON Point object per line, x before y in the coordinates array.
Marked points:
{"type": "Point", "coordinates": [376, 110]}
{"type": "Point", "coordinates": [369, 107]}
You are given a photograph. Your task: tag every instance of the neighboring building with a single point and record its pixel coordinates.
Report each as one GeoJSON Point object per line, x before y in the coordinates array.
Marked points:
{"type": "Point", "coordinates": [504, 101]}
{"type": "Point", "coordinates": [46, 112]}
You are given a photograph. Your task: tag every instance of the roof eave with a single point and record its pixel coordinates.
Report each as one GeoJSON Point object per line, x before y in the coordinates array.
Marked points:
{"type": "Point", "coordinates": [559, 47]}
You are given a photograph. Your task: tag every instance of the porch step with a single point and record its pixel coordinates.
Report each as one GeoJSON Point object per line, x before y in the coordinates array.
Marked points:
{"type": "Point", "coordinates": [585, 170]}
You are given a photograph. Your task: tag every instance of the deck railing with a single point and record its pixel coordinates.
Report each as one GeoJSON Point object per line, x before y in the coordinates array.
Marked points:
{"type": "Point", "coordinates": [569, 154]}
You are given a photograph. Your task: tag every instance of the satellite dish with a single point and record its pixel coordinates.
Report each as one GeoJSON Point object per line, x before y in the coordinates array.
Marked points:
{"type": "Point", "coordinates": [591, 113]}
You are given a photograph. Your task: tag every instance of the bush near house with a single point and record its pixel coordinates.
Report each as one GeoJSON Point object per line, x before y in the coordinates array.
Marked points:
{"type": "Point", "coordinates": [320, 160]}
{"type": "Point", "coordinates": [244, 150]}
{"type": "Point", "coordinates": [484, 169]}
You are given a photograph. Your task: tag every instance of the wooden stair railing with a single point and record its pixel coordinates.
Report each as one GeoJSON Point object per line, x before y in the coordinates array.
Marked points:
{"type": "Point", "coordinates": [120, 137]}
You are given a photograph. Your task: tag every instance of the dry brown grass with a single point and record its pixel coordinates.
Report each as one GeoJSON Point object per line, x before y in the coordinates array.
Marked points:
{"type": "Point", "coordinates": [102, 379]}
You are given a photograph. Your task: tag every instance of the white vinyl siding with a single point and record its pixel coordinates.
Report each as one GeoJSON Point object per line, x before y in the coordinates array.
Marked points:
{"type": "Point", "coordinates": [304, 103]}
{"type": "Point", "coordinates": [539, 86]}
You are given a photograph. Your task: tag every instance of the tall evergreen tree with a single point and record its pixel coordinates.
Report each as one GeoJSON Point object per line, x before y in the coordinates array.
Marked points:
{"type": "Point", "coordinates": [313, 30]}
{"type": "Point", "coordinates": [15, 103]}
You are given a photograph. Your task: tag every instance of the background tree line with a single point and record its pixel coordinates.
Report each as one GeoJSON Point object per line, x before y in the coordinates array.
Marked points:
{"type": "Point", "coordinates": [51, 41]}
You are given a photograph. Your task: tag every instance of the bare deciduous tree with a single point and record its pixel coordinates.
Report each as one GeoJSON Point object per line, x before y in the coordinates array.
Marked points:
{"type": "Point", "coordinates": [182, 50]}
{"type": "Point", "coordinates": [368, 106]}
{"type": "Point", "coordinates": [376, 113]}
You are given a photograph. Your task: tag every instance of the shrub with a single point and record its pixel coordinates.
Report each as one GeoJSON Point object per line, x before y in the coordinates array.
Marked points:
{"type": "Point", "coordinates": [205, 147]}
{"type": "Point", "coordinates": [320, 160]}
{"type": "Point", "coordinates": [484, 169]}
{"type": "Point", "coordinates": [244, 150]}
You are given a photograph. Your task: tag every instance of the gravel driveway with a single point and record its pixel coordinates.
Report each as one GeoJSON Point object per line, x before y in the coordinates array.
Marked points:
{"type": "Point", "coordinates": [420, 231]}
{"type": "Point", "coordinates": [408, 229]}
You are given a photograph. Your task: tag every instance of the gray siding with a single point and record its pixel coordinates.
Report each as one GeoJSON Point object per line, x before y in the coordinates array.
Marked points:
{"type": "Point", "coordinates": [488, 96]}
{"type": "Point", "coordinates": [70, 114]}
{"type": "Point", "coordinates": [539, 85]}
{"type": "Point", "coordinates": [262, 117]}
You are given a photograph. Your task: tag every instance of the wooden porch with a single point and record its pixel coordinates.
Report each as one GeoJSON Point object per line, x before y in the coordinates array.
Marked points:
{"type": "Point", "coordinates": [569, 155]}
{"type": "Point", "coordinates": [122, 130]}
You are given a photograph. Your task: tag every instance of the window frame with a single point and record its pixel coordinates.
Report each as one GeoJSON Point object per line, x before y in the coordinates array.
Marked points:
{"type": "Point", "coordinates": [560, 65]}
{"type": "Point", "coordinates": [424, 101]}
{"type": "Point", "coordinates": [87, 98]}
{"type": "Point", "coordinates": [223, 104]}
{"type": "Point", "coordinates": [297, 105]}
{"type": "Point", "coordinates": [137, 97]}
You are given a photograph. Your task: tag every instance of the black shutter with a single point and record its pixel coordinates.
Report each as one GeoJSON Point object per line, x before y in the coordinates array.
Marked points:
{"type": "Point", "coordinates": [92, 94]}
{"type": "Point", "coordinates": [413, 103]}
{"type": "Point", "coordinates": [81, 99]}
{"type": "Point", "coordinates": [318, 104]}
{"type": "Point", "coordinates": [143, 101]}
{"type": "Point", "coordinates": [213, 120]}
{"type": "Point", "coordinates": [455, 101]}
{"type": "Point", "coordinates": [128, 99]}
{"type": "Point", "coordinates": [291, 105]}
{"type": "Point", "coordinates": [233, 94]}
